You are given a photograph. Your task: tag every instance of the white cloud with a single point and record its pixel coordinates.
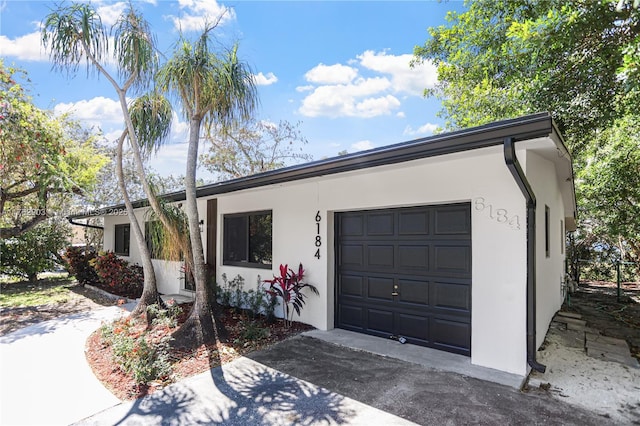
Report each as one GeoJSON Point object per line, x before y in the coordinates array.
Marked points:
{"type": "Point", "coordinates": [331, 74]}
{"type": "Point", "coordinates": [362, 145]}
{"type": "Point", "coordinates": [306, 88]}
{"type": "Point", "coordinates": [26, 47]}
{"type": "Point", "coordinates": [403, 78]}
{"type": "Point", "coordinates": [109, 14]}
{"type": "Point", "coordinates": [425, 129]}
{"type": "Point", "coordinates": [265, 80]}
{"type": "Point", "coordinates": [198, 13]}
{"type": "Point", "coordinates": [367, 87]}
{"type": "Point", "coordinates": [352, 100]}
{"type": "Point", "coordinates": [99, 111]}
{"type": "Point", "coordinates": [401, 114]}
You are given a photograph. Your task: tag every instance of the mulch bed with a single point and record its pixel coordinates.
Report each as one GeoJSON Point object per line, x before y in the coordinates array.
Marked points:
{"type": "Point", "coordinates": [186, 363]}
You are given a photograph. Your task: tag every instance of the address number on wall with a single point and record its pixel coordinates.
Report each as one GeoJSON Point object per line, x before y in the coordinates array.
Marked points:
{"type": "Point", "coordinates": [318, 241]}
{"type": "Point", "coordinates": [501, 216]}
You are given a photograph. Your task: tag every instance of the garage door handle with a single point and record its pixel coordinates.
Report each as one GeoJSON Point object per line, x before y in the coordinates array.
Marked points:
{"type": "Point", "coordinates": [395, 290]}
{"type": "Point", "coordinates": [395, 293]}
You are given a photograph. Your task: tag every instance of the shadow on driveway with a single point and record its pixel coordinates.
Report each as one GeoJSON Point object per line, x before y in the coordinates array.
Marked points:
{"type": "Point", "coordinates": [242, 392]}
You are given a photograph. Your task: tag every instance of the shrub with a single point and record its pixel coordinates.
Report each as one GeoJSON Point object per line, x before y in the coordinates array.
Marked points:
{"type": "Point", "coordinates": [231, 293]}
{"type": "Point", "coordinates": [167, 317]}
{"type": "Point", "coordinates": [288, 286]}
{"type": "Point", "coordinates": [253, 331]}
{"type": "Point", "coordinates": [34, 251]}
{"type": "Point", "coordinates": [118, 276]}
{"type": "Point", "coordinates": [146, 359]}
{"type": "Point", "coordinates": [78, 261]}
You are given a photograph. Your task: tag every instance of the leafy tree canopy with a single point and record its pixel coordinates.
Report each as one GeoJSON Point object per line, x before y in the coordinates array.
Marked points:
{"type": "Point", "coordinates": [504, 58]}
{"type": "Point", "coordinates": [254, 147]}
{"type": "Point", "coordinates": [43, 159]}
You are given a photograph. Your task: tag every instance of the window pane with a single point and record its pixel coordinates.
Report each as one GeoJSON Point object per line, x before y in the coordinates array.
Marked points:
{"type": "Point", "coordinates": [260, 238]}
{"type": "Point", "coordinates": [235, 238]}
{"type": "Point", "coordinates": [122, 239]}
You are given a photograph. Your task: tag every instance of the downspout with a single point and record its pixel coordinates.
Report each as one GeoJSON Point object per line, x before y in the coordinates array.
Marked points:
{"type": "Point", "coordinates": [86, 225]}
{"type": "Point", "coordinates": [514, 167]}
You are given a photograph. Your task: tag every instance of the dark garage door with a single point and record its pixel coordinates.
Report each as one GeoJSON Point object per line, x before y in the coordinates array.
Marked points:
{"type": "Point", "coordinates": [407, 272]}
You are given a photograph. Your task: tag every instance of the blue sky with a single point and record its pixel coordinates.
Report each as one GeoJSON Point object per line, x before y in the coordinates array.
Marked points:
{"type": "Point", "coordinates": [340, 68]}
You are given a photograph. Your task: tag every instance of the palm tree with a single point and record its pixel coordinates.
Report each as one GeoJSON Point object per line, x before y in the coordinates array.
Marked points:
{"type": "Point", "coordinates": [212, 88]}
{"type": "Point", "coordinates": [75, 35]}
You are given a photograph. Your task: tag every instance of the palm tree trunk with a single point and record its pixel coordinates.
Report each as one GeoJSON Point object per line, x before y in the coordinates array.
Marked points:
{"type": "Point", "coordinates": [150, 293]}
{"type": "Point", "coordinates": [202, 326]}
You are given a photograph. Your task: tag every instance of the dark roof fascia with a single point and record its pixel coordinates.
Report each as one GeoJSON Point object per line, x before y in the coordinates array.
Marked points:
{"type": "Point", "coordinates": [522, 128]}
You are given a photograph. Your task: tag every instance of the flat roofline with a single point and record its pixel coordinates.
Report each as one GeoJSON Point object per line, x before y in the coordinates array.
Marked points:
{"type": "Point", "coordinates": [521, 128]}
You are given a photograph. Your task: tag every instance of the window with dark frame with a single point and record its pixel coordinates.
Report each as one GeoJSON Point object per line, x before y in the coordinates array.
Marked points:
{"type": "Point", "coordinates": [122, 238]}
{"type": "Point", "coordinates": [547, 233]}
{"type": "Point", "coordinates": [247, 239]}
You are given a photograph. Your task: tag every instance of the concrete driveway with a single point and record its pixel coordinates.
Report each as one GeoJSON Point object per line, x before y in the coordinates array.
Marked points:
{"type": "Point", "coordinates": [46, 381]}
{"type": "Point", "coordinates": [44, 375]}
{"type": "Point", "coordinates": [308, 381]}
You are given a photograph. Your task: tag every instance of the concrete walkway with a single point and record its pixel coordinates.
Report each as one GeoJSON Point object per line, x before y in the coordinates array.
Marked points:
{"type": "Point", "coordinates": [44, 376]}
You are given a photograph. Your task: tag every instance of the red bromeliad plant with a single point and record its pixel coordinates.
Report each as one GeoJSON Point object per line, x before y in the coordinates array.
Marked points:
{"type": "Point", "coordinates": [288, 286]}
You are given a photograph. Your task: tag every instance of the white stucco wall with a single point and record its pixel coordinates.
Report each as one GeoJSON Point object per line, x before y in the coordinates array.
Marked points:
{"type": "Point", "coordinates": [543, 178]}
{"type": "Point", "coordinates": [498, 249]}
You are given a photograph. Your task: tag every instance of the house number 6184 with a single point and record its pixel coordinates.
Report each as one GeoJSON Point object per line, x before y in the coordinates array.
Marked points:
{"type": "Point", "coordinates": [501, 216]}
{"type": "Point", "coordinates": [318, 242]}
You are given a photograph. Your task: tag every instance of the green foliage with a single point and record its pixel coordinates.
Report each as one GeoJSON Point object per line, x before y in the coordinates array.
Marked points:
{"type": "Point", "coordinates": [610, 186]}
{"type": "Point", "coordinates": [78, 262]}
{"type": "Point", "coordinates": [34, 251]}
{"type": "Point", "coordinates": [252, 331]}
{"type": "Point", "coordinates": [137, 353]}
{"type": "Point", "coordinates": [167, 317]}
{"type": "Point", "coordinates": [501, 59]}
{"type": "Point", "coordinates": [117, 276]}
{"type": "Point", "coordinates": [44, 160]}
{"type": "Point", "coordinates": [254, 302]}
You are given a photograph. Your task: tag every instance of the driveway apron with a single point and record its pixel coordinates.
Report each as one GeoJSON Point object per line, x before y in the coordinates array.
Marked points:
{"type": "Point", "coordinates": [45, 378]}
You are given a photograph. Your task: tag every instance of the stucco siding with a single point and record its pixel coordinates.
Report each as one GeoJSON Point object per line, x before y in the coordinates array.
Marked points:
{"type": "Point", "coordinates": [542, 176]}
{"type": "Point", "coordinates": [498, 247]}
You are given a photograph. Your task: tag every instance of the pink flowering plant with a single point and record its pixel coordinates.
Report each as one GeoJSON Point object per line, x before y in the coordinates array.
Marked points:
{"type": "Point", "coordinates": [288, 287]}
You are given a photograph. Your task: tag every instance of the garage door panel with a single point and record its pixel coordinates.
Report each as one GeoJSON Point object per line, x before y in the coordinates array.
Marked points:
{"type": "Point", "coordinates": [352, 285]}
{"type": "Point", "coordinates": [413, 223]}
{"type": "Point", "coordinates": [451, 296]}
{"type": "Point", "coordinates": [352, 316]}
{"type": "Point", "coordinates": [352, 226]}
{"type": "Point", "coordinates": [380, 288]}
{"type": "Point", "coordinates": [452, 259]}
{"type": "Point", "coordinates": [413, 292]}
{"type": "Point", "coordinates": [352, 255]}
{"type": "Point", "coordinates": [414, 326]}
{"type": "Point", "coordinates": [452, 221]}
{"type": "Point", "coordinates": [380, 224]}
{"type": "Point", "coordinates": [407, 272]}
{"type": "Point", "coordinates": [380, 321]}
{"type": "Point", "coordinates": [413, 257]}
{"type": "Point", "coordinates": [380, 256]}
{"type": "Point", "coordinates": [451, 335]}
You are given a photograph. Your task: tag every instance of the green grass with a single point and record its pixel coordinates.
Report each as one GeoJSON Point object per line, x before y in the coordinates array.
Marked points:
{"type": "Point", "coordinates": [45, 291]}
